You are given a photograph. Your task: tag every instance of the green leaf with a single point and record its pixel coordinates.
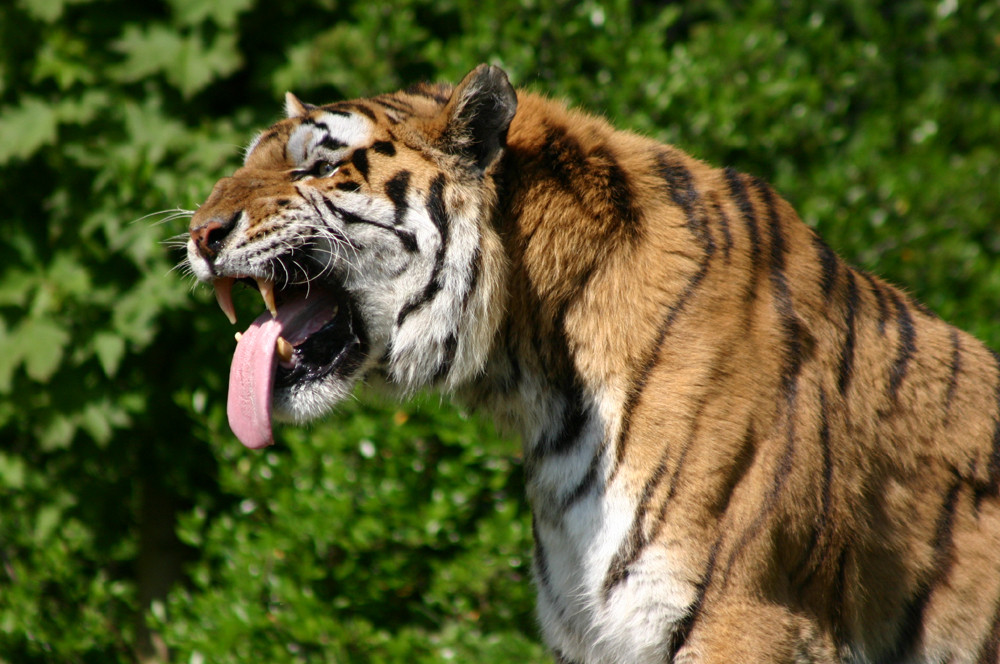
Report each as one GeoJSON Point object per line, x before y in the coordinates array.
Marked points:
{"type": "Point", "coordinates": [40, 343]}
{"type": "Point", "coordinates": [187, 62]}
{"type": "Point", "coordinates": [26, 128]}
{"type": "Point", "coordinates": [12, 471]}
{"type": "Point", "coordinates": [221, 12]}
{"type": "Point", "coordinates": [109, 348]}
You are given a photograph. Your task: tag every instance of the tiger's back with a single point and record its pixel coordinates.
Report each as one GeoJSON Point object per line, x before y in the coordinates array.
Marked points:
{"type": "Point", "coordinates": [738, 447]}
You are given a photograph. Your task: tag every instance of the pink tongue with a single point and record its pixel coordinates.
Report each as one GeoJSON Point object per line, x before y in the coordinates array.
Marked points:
{"type": "Point", "coordinates": [251, 376]}
{"type": "Point", "coordinates": [251, 382]}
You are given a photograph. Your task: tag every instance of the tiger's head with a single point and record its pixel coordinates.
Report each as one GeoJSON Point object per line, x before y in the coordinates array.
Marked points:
{"type": "Point", "coordinates": [367, 227]}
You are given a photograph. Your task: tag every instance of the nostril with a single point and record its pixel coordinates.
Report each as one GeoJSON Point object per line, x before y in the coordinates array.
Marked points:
{"type": "Point", "coordinates": [210, 236]}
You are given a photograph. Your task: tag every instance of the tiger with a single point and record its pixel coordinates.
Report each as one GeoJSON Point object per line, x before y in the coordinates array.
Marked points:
{"type": "Point", "coordinates": [737, 447]}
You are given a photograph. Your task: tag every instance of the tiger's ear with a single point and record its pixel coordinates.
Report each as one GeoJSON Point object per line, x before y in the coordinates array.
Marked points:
{"type": "Point", "coordinates": [295, 107]}
{"type": "Point", "coordinates": [478, 115]}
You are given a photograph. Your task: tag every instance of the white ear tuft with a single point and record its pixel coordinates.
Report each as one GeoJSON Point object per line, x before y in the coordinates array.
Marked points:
{"type": "Point", "coordinates": [295, 108]}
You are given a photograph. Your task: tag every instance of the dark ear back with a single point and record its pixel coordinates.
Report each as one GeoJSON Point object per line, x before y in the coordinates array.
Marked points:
{"type": "Point", "coordinates": [478, 115]}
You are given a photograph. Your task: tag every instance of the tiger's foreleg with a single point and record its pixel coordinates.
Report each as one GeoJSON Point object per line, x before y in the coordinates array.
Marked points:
{"type": "Point", "coordinates": [748, 631]}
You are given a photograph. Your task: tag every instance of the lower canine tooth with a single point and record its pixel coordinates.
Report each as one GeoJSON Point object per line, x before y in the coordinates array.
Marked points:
{"type": "Point", "coordinates": [284, 349]}
{"type": "Point", "coordinates": [239, 335]}
{"type": "Point", "coordinates": [266, 287]}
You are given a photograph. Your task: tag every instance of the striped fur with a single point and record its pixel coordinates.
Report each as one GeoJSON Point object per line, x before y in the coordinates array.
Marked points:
{"type": "Point", "coordinates": [738, 447]}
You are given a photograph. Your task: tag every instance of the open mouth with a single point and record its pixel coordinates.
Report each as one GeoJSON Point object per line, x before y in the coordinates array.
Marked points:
{"type": "Point", "coordinates": [307, 335]}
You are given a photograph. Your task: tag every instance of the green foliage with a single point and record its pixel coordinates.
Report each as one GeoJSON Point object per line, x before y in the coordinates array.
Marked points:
{"type": "Point", "coordinates": [385, 535]}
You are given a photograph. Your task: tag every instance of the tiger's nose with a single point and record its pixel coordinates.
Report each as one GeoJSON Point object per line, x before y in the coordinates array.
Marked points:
{"type": "Point", "coordinates": [209, 237]}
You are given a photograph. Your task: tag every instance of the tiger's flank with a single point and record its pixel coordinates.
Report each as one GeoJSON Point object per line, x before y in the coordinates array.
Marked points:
{"type": "Point", "coordinates": [738, 447]}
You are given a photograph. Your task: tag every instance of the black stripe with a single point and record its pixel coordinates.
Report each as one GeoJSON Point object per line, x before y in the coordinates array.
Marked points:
{"type": "Point", "coordinates": [845, 371]}
{"type": "Point", "coordinates": [993, 467]}
{"type": "Point", "coordinates": [683, 629]}
{"type": "Point", "coordinates": [911, 629]}
{"type": "Point", "coordinates": [738, 191]}
{"type": "Point", "coordinates": [331, 143]}
{"type": "Point", "coordinates": [794, 358]}
{"type": "Point", "coordinates": [363, 110]}
{"type": "Point", "coordinates": [828, 263]}
{"type": "Point", "coordinates": [450, 346]}
{"type": "Point", "coordinates": [956, 369]}
{"type": "Point", "coordinates": [989, 651]}
{"type": "Point", "coordinates": [635, 541]}
{"type": "Point", "coordinates": [571, 424]}
{"type": "Point", "coordinates": [584, 486]}
{"type": "Point", "coordinates": [906, 345]}
{"type": "Point", "coordinates": [396, 189]}
{"type": "Point", "coordinates": [439, 216]}
{"type": "Point", "coordinates": [541, 560]}
{"type": "Point", "coordinates": [406, 238]}
{"type": "Point", "coordinates": [836, 598]}
{"type": "Point", "coordinates": [384, 148]}
{"type": "Point", "coordinates": [268, 135]}
{"type": "Point", "coordinates": [359, 158]}
{"type": "Point", "coordinates": [696, 224]}
{"type": "Point", "coordinates": [424, 90]}
{"type": "Point", "coordinates": [679, 183]}
{"type": "Point", "coordinates": [595, 180]}
{"type": "Point", "coordinates": [397, 105]}
{"type": "Point", "coordinates": [790, 323]}
{"type": "Point", "coordinates": [332, 110]}
{"type": "Point", "coordinates": [640, 536]}
{"type": "Point", "coordinates": [348, 185]}
{"type": "Point", "coordinates": [476, 265]}
{"type": "Point", "coordinates": [811, 560]}
{"type": "Point", "coordinates": [727, 234]}
{"type": "Point", "coordinates": [619, 192]}
{"type": "Point", "coordinates": [883, 307]}
{"type": "Point", "coordinates": [770, 504]}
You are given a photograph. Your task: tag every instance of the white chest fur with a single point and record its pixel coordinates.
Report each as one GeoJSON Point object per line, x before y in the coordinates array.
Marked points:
{"type": "Point", "coordinates": [581, 523]}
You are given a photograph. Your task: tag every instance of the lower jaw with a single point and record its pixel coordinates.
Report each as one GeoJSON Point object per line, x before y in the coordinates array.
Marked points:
{"type": "Point", "coordinates": [302, 403]}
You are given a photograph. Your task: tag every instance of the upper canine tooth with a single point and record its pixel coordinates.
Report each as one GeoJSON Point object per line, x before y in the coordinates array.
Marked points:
{"type": "Point", "coordinates": [224, 296]}
{"type": "Point", "coordinates": [266, 287]}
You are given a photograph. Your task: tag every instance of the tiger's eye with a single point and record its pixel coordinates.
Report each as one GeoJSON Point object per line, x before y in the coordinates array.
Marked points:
{"type": "Point", "coordinates": [321, 169]}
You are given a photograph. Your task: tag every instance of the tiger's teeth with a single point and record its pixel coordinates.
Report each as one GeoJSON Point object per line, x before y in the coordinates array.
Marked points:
{"type": "Point", "coordinates": [284, 349]}
{"type": "Point", "coordinates": [239, 335]}
{"type": "Point", "coordinates": [224, 296]}
{"type": "Point", "coordinates": [266, 287]}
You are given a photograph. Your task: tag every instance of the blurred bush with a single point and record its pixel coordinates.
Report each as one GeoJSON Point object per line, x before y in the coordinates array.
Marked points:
{"type": "Point", "coordinates": [134, 527]}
